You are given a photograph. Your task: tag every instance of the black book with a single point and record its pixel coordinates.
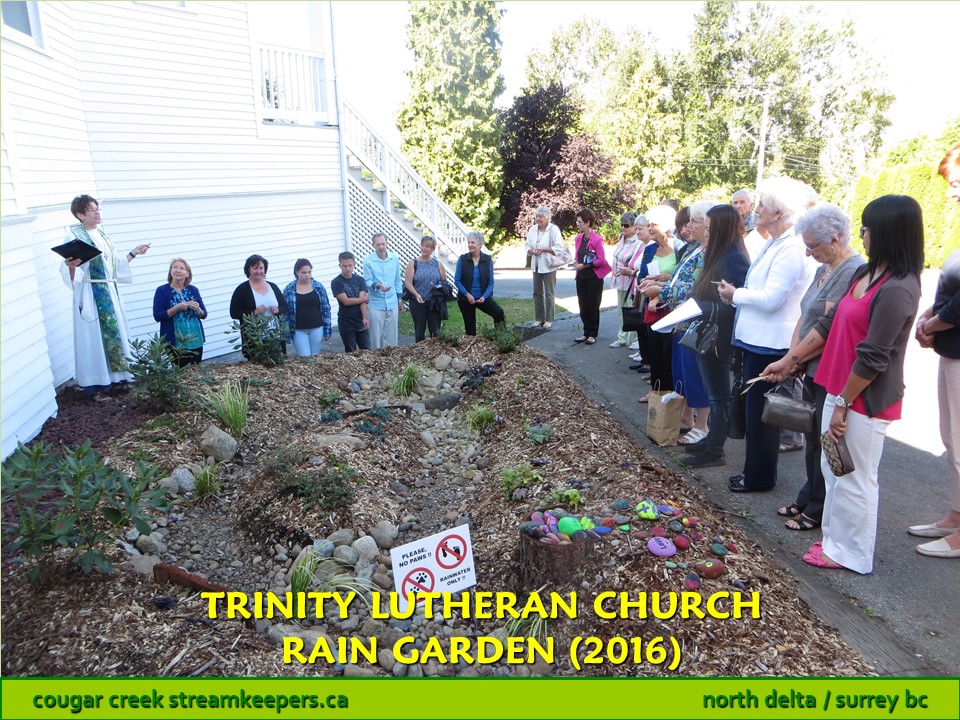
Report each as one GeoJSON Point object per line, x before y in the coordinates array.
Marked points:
{"type": "Point", "coordinates": [77, 249]}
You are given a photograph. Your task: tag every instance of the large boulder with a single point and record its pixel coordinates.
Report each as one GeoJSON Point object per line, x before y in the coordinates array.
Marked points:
{"type": "Point", "coordinates": [384, 533]}
{"type": "Point", "coordinates": [446, 401]}
{"type": "Point", "coordinates": [185, 480]}
{"type": "Point", "coordinates": [217, 444]}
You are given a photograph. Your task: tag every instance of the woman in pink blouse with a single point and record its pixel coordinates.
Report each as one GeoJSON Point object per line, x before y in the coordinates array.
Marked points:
{"type": "Point", "coordinates": [592, 267]}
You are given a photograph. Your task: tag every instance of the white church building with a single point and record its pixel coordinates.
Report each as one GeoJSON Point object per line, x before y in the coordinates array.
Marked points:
{"type": "Point", "coordinates": [212, 131]}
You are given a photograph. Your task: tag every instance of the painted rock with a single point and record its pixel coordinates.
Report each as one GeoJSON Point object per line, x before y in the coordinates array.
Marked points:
{"type": "Point", "coordinates": [538, 531]}
{"type": "Point", "coordinates": [549, 518]}
{"type": "Point", "coordinates": [732, 548]}
{"type": "Point", "coordinates": [740, 584]}
{"type": "Point", "coordinates": [621, 505]}
{"type": "Point", "coordinates": [587, 523]}
{"type": "Point", "coordinates": [682, 565]}
{"type": "Point", "coordinates": [647, 510]}
{"type": "Point", "coordinates": [692, 581]}
{"type": "Point", "coordinates": [607, 522]}
{"type": "Point", "coordinates": [718, 549]}
{"type": "Point", "coordinates": [594, 535]}
{"type": "Point", "coordinates": [676, 526]}
{"type": "Point", "coordinates": [716, 539]}
{"type": "Point", "coordinates": [563, 536]}
{"type": "Point", "coordinates": [554, 536]}
{"type": "Point", "coordinates": [621, 519]}
{"type": "Point", "coordinates": [560, 513]}
{"type": "Point", "coordinates": [625, 528]}
{"type": "Point", "coordinates": [537, 517]}
{"type": "Point", "coordinates": [528, 527]}
{"type": "Point", "coordinates": [579, 536]}
{"type": "Point", "coordinates": [694, 536]}
{"type": "Point", "coordinates": [670, 564]}
{"type": "Point", "coordinates": [667, 510]}
{"type": "Point", "coordinates": [601, 530]}
{"type": "Point", "coordinates": [682, 542]}
{"type": "Point", "coordinates": [568, 525]}
{"type": "Point", "coordinates": [642, 534]}
{"type": "Point", "coordinates": [658, 531]}
{"type": "Point", "coordinates": [689, 521]}
{"type": "Point", "coordinates": [661, 547]}
{"type": "Point", "coordinates": [710, 569]}
{"type": "Point", "coordinates": [550, 540]}
{"type": "Point", "coordinates": [553, 527]}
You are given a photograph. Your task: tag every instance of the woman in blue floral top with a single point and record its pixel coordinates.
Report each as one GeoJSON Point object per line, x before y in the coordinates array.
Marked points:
{"type": "Point", "coordinates": [178, 307]}
{"type": "Point", "coordinates": [308, 310]}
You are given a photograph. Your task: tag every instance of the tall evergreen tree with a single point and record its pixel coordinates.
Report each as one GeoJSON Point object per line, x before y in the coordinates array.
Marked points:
{"type": "Point", "coordinates": [449, 125]}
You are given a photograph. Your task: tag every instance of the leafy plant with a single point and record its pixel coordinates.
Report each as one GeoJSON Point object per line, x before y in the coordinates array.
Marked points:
{"type": "Point", "coordinates": [153, 364]}
{"type": "Point", "coordinates": [518, 477]}
{"type": "Point", "coordinates": [71, 500]}
{"type": "Point", "coordinates": [282, 462]}
{"type": "Point", "coordinates": [263, 338]}
{"type": "Point", "coordinates": [312, 572]}
{"type": "Point", "coordinates": [539, 433]}
{"type": "Point", "coordinates": [369, 426]}
{"type": "Point", "coordinates": [328, 400]}
{"type": "Point", "coordinates": [449, 337]}
{"type": "Point", "coordinates": [328, 488]}
{"type": "Point", "coordinates": [570, 497]}
{"type": "Point", "coordinates": [533, 626]}
{"type": "Point", "coordinates": [330, 416]}
{"type": "Point", "coordinates": [404, 383]}
{"type": "Point", "coordinates": [481, 416]}
{"type": "Point", "coordinates": [380, 413]}
{"type": "Point", "coordinates": [505, 338]}
{"type": "Point", "coordinates": [521, 380]}
{"type": "Point", "coordinates": [229, 403]}
{"type": "Point", "coordinates": [207, 481]}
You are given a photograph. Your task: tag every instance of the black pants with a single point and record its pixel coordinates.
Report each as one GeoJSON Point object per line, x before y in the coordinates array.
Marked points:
{"type": "Point", "coordinates": [354, 338]}
{"type": "Point", "coordinates": [589, 296]}
{"type": "Point", "coordinates": [423, 319]}
{"type": "Point", "coordinates": [814, 490]}
{"type": "Point", "coordinates": [190, 357]}
{"type": "Point", "coordinates": [469, 312]}
{"type": "Point", "coordinates": [763, 441]}
{"type": "Point", "coordinates": [660, 360]}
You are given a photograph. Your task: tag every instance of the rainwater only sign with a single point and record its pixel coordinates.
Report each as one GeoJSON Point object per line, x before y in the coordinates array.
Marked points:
{"type": "Point", "coordinates": [442, 562]}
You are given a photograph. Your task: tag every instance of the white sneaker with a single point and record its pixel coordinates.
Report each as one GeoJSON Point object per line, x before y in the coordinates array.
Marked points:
{"type": "Point", "coordinates": [636, 357]}
{"type": "Point", "coordinates": [616, 343]}
{"type": "Point", "coordinates": [634, 346]}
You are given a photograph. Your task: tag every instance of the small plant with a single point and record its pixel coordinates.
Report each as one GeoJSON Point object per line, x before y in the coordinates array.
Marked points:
{"type": "Point", "coordinates": [314, 573]}
{"type": "Point", "coordinates": [481, 416]}
{"type": "Point", "coordinates": [262, 338]}
{"type": "Point", "coordinates": [369, 426]}
{"type": "Point", "coordinates": [505, 338]}
{"type": "Point", "coordinates": [404, 383]}
{"type": "Point", "coordinates": [330, 416]}
{"type": "Point", "coordinates": [521, 380]}
{"type": "Point", "coordinates": [513, 479]}
{"type": "Point", "coordinates": [380, 413]}
{"type": "Point", "coordinates": [539, 432]}
{"type": "Point", "coordinates": [534, 626]}
{"type": "Point", "coordinates": [327, 489]}
{"type": "Point", "coordinates": [328, 400]}
{"type": "Point", "coordinates": [304, 571]}
{"type": "Point", "coordinates": [207, 481]}
{"type": "Point", "coordinates": [570, 497]}
{"type": "Point", "coordinates": [71, 500]}
{"type": "Point", "coordinates": [153, 364]}
{"type": "Point", "coordinates": [449, 337]}
{"type": "Point", "coordinates": [229, 403]}
{"type": "Point", "coordinates": [281, 463]}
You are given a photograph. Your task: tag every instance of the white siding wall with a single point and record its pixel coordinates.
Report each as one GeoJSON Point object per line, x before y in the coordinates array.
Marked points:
{"type": "Point", "coordinates": [8, 191]}
{"type": "Point", "coordinates": [26, 382]}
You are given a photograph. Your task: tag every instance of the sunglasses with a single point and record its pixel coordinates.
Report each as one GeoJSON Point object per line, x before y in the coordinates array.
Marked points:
{"type": "Point", "coordinates": [625, 225]}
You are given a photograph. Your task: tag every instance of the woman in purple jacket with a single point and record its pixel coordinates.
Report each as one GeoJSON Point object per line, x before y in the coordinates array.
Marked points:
{"type": "Point", "coordinates": [591, 267]}
{"type": "Point", "coordinates": [178, 307]}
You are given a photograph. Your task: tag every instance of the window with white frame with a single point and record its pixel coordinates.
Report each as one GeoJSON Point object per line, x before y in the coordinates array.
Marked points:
{"type": "Point", "coordinates": [21, 21]}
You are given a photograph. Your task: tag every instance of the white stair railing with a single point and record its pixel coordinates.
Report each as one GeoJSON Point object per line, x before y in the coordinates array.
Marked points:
{"type": "Point", "coordinates": [402, 182]}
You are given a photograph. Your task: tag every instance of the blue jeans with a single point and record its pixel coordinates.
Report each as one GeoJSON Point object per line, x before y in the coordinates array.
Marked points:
{"type": "Point", "coordinates": [307, 342]}
{"type": "Point", "coordinates": [717, 381]}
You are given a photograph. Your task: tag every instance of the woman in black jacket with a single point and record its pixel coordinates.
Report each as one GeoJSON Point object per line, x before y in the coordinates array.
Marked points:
{"type": "Point", "coordinates": [258, 296]}
{"type": "Point", "coordinates": [474, 278]}
{"type": "Point", "coordinates": [724, 259]}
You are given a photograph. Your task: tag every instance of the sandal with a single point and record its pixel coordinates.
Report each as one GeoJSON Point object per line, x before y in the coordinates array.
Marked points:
{"type": "Point", "coordinates": [789, 447]}
{"type": "Point", "coordinates": [694, 436]}
{"type": "Point", "coordinates": [537, 323]}
{"type": "Point", "coordinates": [814, 556]}
{"type": "Point", "coordinates": [801, 523]}
{"type": "Point", "coordinates": [644, 400]}
{"type": "Point", "coordinates": [589, 341]}
{"type": "Point", "coordinates": [582, 338]}
{"type": "Point", "coordinates": [790, 511]}
{"type": "Point", "coordinates": [547, 325]}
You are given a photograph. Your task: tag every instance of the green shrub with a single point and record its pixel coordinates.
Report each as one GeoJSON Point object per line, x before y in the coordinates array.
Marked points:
{"type": "Point", "coordinates": [380, 413]}
{"type": "Point", "coordinates": [330, 416]}
{"type": "Point", "coordinates": [370, 426]}
{"type": "Point", "coordinates": [481, 416]}
{"type": "Point", "coordinates": [325, 488]}
{"type": "Point", "coordinates": [450, 337]}
{"type": "Point", "coordinates": [262, 338]}
{"type": "Point", "coordinates": [571, 497]}
{"type": "Point", "coordinates": [207, 481]}
{"type": "Point", "coordinates": [513, 479]}
{"type": "Point", "coordinates": [404, 383]}
{"type": "Point", "coordinates": [314, 573]}
{"type": "Point", "coordinates": [71, 500]}
{"type": "Point", "coordinates": [153, 364]}
{"type": "Point", "coordinates": [540, 432]}
{"type": "Point", "coordinates": [229, 403]}
{"type": "Point", "coordinates": [328, 400]}
{"type": "Point", "coordinates": [505, 338]}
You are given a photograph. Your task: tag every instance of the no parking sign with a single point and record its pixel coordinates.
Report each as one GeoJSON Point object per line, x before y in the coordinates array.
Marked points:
{"type": "Point", "coordinates": [442, 562]}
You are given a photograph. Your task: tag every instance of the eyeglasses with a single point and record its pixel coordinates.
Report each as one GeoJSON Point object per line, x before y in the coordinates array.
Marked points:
{"type": "Point", "coordinates": [863, 231]}
{"type": "Point", "coordinates": [625, 225]}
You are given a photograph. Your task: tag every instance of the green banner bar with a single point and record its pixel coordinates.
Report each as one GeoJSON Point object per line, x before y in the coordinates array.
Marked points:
{"type": "Point", "coordinates": [500, 698]}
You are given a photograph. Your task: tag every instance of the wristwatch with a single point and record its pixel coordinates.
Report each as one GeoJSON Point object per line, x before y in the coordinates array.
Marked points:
{"type": "Point", "coordinates": [842, 402]}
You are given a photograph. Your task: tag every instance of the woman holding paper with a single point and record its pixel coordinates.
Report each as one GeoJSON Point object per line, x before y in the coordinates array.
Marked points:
{"type": "Point", "coordinates": [592, 267]}
{"type": "Point", "coordinates": [768, 307]}
{"type": "Point", "coordinates": [100, 335]}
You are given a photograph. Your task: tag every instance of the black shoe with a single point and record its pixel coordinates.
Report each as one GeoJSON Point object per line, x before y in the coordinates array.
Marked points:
{"type": "Point", "coordinates": [642, 369]}
{"type": "Point", "coordinates": [707, 459]}
{"type": "Point", "coordinates": [741, 487]}
{"type": "Point", "coordinates": [696, 448]}
{"type": "Point", "coordinates": [635, 366]}
{"type": "Point", "coordinates": [736, 480]}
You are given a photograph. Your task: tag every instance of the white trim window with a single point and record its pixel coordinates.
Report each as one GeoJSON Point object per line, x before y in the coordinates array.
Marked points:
{"type": "Point", "coordinates": [21, 22]}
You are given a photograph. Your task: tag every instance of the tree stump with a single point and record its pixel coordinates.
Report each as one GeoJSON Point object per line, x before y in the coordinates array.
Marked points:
{"type": "Point", "coordinates": [542, 564]}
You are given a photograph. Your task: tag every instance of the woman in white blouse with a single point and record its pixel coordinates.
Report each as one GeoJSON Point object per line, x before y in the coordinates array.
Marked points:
{"type": "Point", "coordinates": [545, 248]}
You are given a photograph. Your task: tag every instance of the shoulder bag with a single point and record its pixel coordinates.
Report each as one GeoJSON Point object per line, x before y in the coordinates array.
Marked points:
{"type": "Point", "coordinates": [785, 411]}
{"type": "Point", "coordinates": [737, 415]}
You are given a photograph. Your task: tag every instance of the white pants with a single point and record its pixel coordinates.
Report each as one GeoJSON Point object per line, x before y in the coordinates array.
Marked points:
{"type": "Point", "coordinates": [307, 342]}
{"type": "Point", "coordinates": [948, 386]}
{"type": "Point", "coordinates": [850, 508]}
{"type": "Point", "coordinates": [383, 327]}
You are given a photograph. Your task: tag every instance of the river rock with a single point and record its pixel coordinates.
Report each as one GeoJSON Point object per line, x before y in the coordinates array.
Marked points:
{"type": "Point", "coordinates": [185, 480]}
{"type": "Point", "coordinates": [718, 549]}
{"type": "Point", "coordinates": [171, 485]}
{"type": "Point", "coordinates": [710, 569]}
{"type": "Point", "coordinates": [217, 444]}
{"type": "Point", "coordinates": [366, 547]}
{"type": "Point", "coordinates": [446, 401]}
{"type": "Point", "coordinates": [661, 547]}
{"type": "Point", "coordinates": [346, 554]}
{"type": "Point", "coordinates": [344, 536]}
{"type": "Point", "coordinates": [151, 544]}
{"type": "Point", "coordinates": [441, 362]}
{"type": "Point", "coordinates": [384, 534]}
{"type": "Point", "coordinates": [428, 384]}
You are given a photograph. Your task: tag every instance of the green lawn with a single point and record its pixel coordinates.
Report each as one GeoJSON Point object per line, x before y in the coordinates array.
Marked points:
{"type": "Point", "coordinates": [517, 310]}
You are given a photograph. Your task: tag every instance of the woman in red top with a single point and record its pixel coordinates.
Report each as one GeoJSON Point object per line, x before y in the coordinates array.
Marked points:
{"type": "Point", "coordinates": [592, 267]}
{"type": "Point", "coordinates": [862, 372]}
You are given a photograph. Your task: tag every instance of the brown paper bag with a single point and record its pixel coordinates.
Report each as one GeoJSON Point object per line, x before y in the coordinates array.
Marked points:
{"type": "Point", "coordinates": [663, 421]}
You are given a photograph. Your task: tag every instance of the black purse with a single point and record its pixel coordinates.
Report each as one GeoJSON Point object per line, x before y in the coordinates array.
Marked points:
{"type": "Point", "coordinates": [785, 411]}
{"type": "Point", "coordinates": [701, 336]}
{"type": "Point", "coordinates": [632, 319]}
{"type": "Point", "coordinates": [737, 415]}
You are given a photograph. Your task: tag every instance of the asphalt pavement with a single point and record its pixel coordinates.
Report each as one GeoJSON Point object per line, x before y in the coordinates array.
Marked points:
{"type": "Point", "coordinates": [903, 616]}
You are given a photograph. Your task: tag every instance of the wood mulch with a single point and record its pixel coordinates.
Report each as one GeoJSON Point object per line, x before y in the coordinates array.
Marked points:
{"type": "Point", "coordinates": [69, 624]}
